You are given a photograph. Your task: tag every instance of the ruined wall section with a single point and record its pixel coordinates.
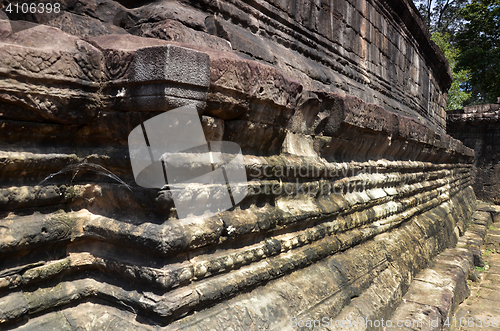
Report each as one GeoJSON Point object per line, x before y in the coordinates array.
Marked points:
{"type": "Point", "coordinates": [478, 128]}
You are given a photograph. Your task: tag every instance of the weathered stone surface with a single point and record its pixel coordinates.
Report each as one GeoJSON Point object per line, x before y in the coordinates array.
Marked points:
{"type": "Point", "coordinates": [350, 195]}
{"type": "Point", "coordinates": [337, 46]}
{"type": "Point", "coordinates": [84, 26]}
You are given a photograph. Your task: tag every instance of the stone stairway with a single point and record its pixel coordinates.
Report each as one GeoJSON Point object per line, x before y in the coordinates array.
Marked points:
{"type": "Point", "coordinates": [481, 310]}
{"type": "Point", "coordinates": [439, 291]}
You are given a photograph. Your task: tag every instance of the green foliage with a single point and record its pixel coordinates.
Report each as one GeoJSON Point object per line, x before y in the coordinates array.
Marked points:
{"type": "Point", "coordinates": [479, 50]}
{"type": "Point", "coordinates": [483, 269]}
{"type": "Point", "coordinates": [456, 96]}
{"type": "Point", "coordinates": [468, 33]}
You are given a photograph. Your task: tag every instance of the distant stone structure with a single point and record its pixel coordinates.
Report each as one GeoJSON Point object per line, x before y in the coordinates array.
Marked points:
{"type": "Point", "coordinates": [477, 127]}
{"type": "Point", "coordinates": [338, 107]}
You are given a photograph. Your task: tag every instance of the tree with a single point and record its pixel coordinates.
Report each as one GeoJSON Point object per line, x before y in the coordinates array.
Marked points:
{"type": "Point", "coordinates": [456, 95]}
{"type": "Point", "coordinates": [444, 20]}
{"type": "Point", "coordinates": [479, 50]}
{"type": "Point", "coordinates": [441, 15]}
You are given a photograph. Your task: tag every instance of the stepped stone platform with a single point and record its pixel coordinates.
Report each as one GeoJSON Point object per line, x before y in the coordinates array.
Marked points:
{"type": "Point", "coordinates": [338, 108]}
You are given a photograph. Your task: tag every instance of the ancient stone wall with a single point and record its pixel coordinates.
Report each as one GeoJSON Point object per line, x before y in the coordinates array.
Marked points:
{"type": "Point", "coordinates": [347, 200]}
{"type": "Point", "coordinates": [477, 127]}
{"type": "Point", "coordinates": [379, 51]}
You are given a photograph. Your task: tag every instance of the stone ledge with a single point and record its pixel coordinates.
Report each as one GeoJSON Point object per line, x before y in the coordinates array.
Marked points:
{"type": "Point", "coordinates": [494, 210]}
{"type": "Point", "coordinates": [253, 100]}
{"type": "Point", "coordinates": [481, 113]}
